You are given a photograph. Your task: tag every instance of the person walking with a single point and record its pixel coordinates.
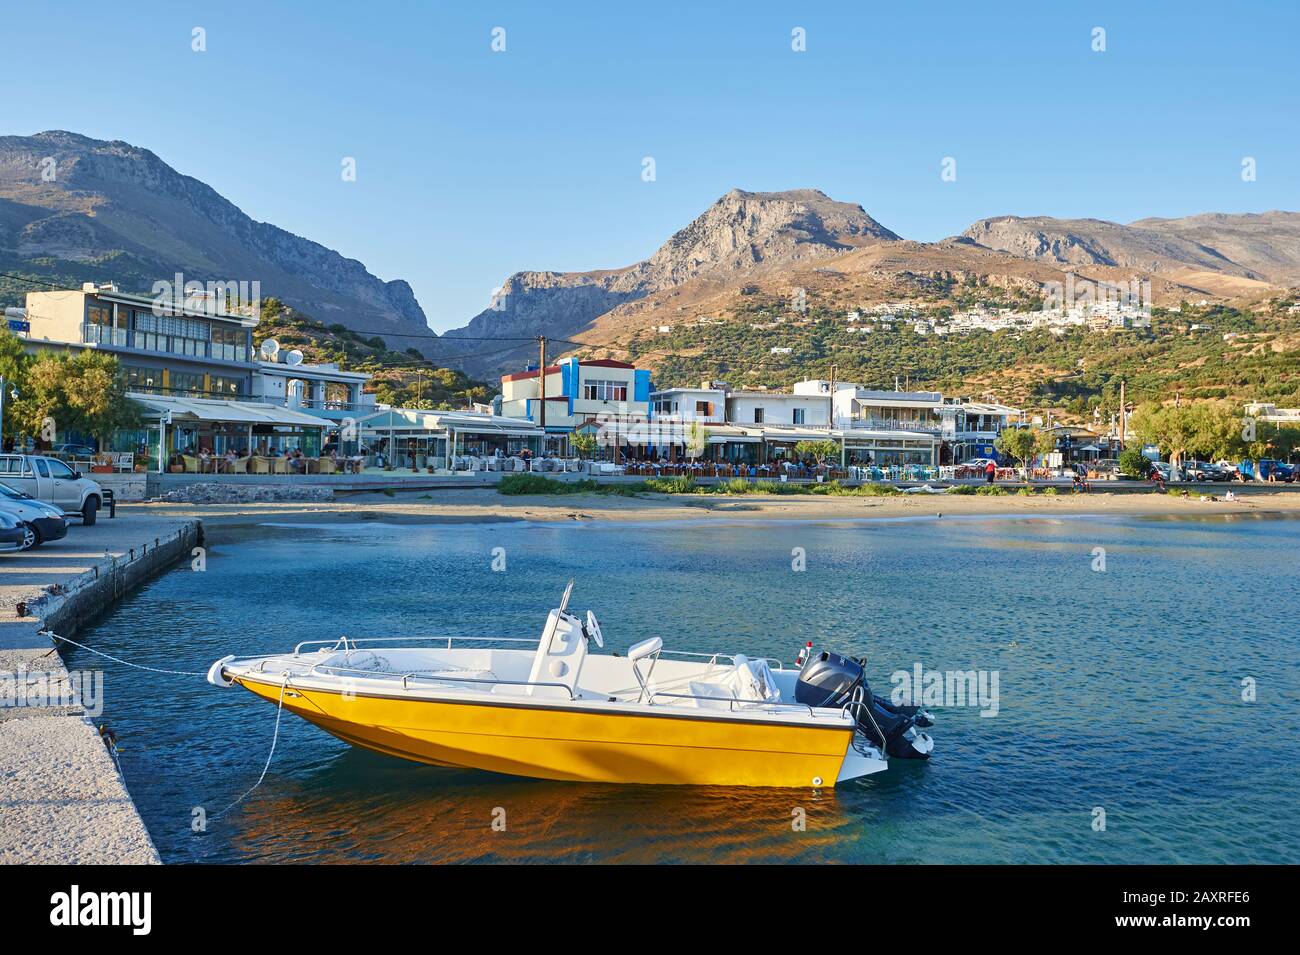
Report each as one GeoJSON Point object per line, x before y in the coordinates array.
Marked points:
{"type": "Point", "coordinates": [990, 471]}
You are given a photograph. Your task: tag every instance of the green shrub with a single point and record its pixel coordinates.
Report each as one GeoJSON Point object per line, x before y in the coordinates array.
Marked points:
{"type": "Point", "coordinates": [991, 490]}
{"type": "Point", "coordinates": [961, 489]}
{"type": "Point", "coordinates": [878, 490]}
{"type": "Point", "coordinates": [1051, 490]}
{"type": "Point", "coordinates": [1133, 464]}
{"type": "Point", "coordinates": [833, 488]}
{"type": "Point", "coordinates": [536, 484]}
{"type": "Point", "coordinates": [1026, 492]}
{"type": "Point", "coordinates": [684, 484]}
{"type": "Point", "coordinates": [735, 486]}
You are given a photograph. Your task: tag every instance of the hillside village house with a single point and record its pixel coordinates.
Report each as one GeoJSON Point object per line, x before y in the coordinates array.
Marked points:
{"type": "Point", "coordinates": [191, 366]}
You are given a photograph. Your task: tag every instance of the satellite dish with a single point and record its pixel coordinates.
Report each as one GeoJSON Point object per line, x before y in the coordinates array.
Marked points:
{"type": "Point", "coordinates": [293, 358]}
{"type": "Point", "coordinates": [270, 348]}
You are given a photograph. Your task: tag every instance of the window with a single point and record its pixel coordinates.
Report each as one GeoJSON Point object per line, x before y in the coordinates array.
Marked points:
{"type": "Point", "coordinates": [599, 390]}
{"type": "Point", "coordinates": [758, 416]}
{"type": "Point", "coordinates": [704, 409]}
{"type": "Point", "coordinates": [227, 386]}
{"type": "Point", "coordinates": [41, 468]}
{"type": "Point", "coordinates": [799, 414]}
{"type": "Point", "coordinates": [58, 469]}
{"type": "Point", "coordinates": [103, 327]}
{"type": "Point", "coordinates": [180, 336]}
{"type": "Point", "coordinates": [142, 379]}
{"type": "Point", "coordinates": [183, 382]}
{"type": "Point", "coordinates": [228, 343]}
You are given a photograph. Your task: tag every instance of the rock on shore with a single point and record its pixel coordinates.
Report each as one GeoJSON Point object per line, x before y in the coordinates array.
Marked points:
{"type": "Point", "coordinates": [244, 494]}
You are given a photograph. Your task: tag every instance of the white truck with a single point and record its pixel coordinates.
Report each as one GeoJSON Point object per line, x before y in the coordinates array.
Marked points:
{"type": "Point", "coordinates": [53, 481]}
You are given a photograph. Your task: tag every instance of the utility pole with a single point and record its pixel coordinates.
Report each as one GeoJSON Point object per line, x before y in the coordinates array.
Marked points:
{"type": "Point", "coordinates": [830, 418]}
{"type": "Point", "coordinates": [1123, 415]}
{"type": "Point", "coordinates": [541, 387]}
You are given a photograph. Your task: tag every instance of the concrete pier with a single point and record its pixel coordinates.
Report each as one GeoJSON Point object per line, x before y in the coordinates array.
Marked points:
{"type": "Point", "coordinates": [62, 799]}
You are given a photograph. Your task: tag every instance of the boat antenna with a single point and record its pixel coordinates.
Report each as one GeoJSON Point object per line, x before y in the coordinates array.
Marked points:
{"type": "Point", "coordinates": [564, 601]}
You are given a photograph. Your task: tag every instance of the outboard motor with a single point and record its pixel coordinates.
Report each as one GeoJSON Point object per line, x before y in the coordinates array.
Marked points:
{"type": "Point", "coordinates": [830, 680]}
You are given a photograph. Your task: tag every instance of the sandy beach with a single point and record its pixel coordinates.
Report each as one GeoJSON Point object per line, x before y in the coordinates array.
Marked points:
{"type": "Point", "coordinates": [487, 505]}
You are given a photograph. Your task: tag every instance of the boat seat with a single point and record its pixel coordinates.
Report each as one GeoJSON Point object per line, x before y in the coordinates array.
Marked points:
{"type": "Point", "coordinates": [639, 651]}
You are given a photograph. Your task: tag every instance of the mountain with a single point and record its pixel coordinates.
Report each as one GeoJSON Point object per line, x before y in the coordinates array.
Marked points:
{"type": "Point", "coordinates": [1261, 247]}
{"type": "Point", "coordinates": [113, 211]}
{"type": "Point", "coordinates": [745, 234]}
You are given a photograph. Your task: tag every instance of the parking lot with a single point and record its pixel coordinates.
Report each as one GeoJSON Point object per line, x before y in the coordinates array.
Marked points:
{"type": "Point", "coordinates": [25, 575]}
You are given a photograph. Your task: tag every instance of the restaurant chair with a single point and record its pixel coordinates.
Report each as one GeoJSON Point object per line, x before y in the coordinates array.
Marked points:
{"type": "Point", "coordinates": [191, 464]}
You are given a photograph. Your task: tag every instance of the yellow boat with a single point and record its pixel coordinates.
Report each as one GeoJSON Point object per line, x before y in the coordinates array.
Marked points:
{"type": "Point", "coordinates": [552, 710]}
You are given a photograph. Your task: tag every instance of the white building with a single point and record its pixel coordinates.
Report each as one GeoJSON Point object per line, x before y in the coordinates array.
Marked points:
{"type": "Point", "coordinates": [774, 407]}
{"type": "Point", "coordinates": [704, 404]}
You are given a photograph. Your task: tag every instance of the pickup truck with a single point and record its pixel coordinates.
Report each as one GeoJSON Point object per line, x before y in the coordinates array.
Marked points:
{"type": "Point", "coordinates": [52, 481]}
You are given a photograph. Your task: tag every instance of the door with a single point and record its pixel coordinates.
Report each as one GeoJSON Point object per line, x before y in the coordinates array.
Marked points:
{"type": "Point", "coordinates": [65, 488]}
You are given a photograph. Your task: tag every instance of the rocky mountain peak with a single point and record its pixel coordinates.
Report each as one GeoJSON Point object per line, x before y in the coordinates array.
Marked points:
{"type": "Point", "coordinates": [109, 200]}
{"type": "Point", "coordinates": [745, 229]}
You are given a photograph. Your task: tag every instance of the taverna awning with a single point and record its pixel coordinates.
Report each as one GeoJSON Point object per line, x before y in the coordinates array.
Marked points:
{"type": "Point", "coordinates": [726, 434]}
{"type": "Point", "coordinates": [227, 412]}
{"type": "Point", "coordinates": [440, 422]}
{"type": "Point", "coordinates": [869, 436]}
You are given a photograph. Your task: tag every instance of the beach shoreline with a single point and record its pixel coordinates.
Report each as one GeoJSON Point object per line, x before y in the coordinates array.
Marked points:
{"type": "Point", "coordinates": [486, 505]}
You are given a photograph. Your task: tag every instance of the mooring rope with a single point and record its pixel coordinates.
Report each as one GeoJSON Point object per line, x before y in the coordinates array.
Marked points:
{"type": "Point", "coordinates": [58, 639]}
{"type": "Point", "coordinates": [275, 737]}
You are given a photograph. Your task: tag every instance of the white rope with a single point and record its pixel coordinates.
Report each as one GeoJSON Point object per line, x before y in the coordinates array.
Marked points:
{"type": "Point", "coordinates": [274, 738]}
{"type": "Point", "coordinates": [112, 750]}
{"type": "Point", "coordinates": [58, 639]}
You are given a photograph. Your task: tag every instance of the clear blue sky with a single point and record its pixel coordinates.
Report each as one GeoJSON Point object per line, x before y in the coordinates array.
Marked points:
{"type": "Point", "coordinates": [473, 164]}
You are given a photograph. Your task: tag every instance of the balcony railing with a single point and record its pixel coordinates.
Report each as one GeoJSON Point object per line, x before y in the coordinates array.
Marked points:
{"type": "Point", "coordinates": [330, 404]}
{"type": "Point", "coordinates": [103, 335]}
{"type": "Point", "coordinates": [894, 424]}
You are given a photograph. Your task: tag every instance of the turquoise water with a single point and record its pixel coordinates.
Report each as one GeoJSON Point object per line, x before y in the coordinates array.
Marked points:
{"type": "Point", "coordinates": [1118, 689]}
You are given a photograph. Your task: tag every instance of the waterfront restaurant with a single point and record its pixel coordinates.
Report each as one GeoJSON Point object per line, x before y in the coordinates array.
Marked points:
{"type": "Point", "coordinates": [430, 437]}
{"type": "Point", "coordinates": [182, 425]}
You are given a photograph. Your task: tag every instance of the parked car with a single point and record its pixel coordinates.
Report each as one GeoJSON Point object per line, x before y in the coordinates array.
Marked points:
{"type": "Point", "coordinates": [14, 534]}
{"type": "Point", "coordinates": [1205, 471]}
{"type": "Point", "coordinates": [46, 522]}
{"type": "Point", "coordinates": [1270, 468]}
{"type": "Point", "coordinates": [54, 482]}
{"type": "Point", "coordinates": [74, 451]}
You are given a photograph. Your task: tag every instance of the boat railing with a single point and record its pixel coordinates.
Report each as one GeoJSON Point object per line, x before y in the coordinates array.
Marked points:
{"type": "Point", "coordinates": [713, 658]}
{"type": "Point", "coordinates": [734, 701]}
{"type": "Point", "coordinates": [859, 705]}
{"type": "Point", "coordinates": [440, 677]}
{"type": "Point", "coordinates": [345, 643]}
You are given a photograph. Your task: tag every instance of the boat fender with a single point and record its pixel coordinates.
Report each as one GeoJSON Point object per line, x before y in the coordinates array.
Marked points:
{"type": "Point", "coordinates": [215, 676]}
